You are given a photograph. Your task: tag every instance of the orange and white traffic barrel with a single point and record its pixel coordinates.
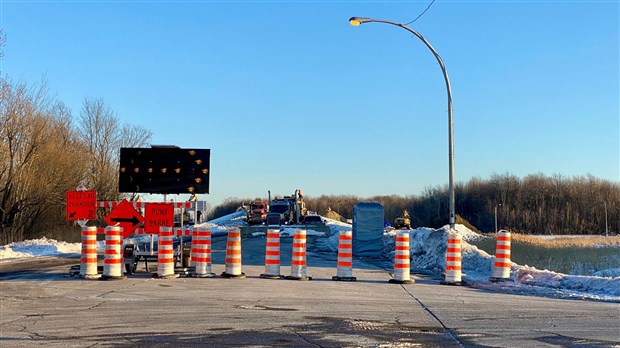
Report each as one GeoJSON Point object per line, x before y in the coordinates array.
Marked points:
{"type": "Point", "coordinates": [165, 253]}
{"type": "Point", "coordinates": [113, 259]}
{"type": "Point", "coordinates": [453, 260]}
{"type": "Point", "coordinates": [272, 255]}
{"type": "Point", "coordinates": [501, 269]}
{"type": "Point", "coordinates": [201, 253]}
{"type": "Point", "coordinates": [402, 268]}
{"type": "Point", "coordinates": [233, 256]}
{"type": "Point", "coordinates": [298, 260]}
{"type": "Point", "coordinates": [88, 259]}
{"type": "Point", "coordinates": [344, 268]}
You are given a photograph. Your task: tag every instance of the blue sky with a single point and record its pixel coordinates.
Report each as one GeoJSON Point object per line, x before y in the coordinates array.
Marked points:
{"type": "Point", "coordinates": [288, 95]}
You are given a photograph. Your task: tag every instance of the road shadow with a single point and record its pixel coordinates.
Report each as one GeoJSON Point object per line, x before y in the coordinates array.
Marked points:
{"type": "Point", "coordinates": [320, 332]}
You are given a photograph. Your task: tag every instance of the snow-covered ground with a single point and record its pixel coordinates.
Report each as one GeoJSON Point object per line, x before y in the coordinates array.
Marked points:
{"type": "Point", "coordinates": [427, 249]}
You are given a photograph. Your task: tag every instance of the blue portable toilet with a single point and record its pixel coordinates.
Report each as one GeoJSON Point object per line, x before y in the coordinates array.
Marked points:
{"type": "Point", "coordinates": [368, 219]}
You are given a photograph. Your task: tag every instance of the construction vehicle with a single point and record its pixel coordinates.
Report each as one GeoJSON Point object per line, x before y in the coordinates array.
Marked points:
{"type": "Point", "coordinates": [257, 212]}
{"type": "Point", "coordinates": [287, 210]}
{"type": "Point", "coordinates": [183, 218]}
{"type": "Point", "coordinates": [403, 222]}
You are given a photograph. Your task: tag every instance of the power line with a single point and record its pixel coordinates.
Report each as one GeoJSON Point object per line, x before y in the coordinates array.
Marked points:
{"type": "Point", "coordinates": [421, 14]}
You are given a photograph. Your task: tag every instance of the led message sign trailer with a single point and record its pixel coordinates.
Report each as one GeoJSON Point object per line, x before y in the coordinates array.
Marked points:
{"type": "Point", "coordinates": [164, 170]}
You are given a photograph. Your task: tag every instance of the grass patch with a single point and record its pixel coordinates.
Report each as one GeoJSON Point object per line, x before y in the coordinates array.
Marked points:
{"type": "Point", "coordinates": [581, 255]}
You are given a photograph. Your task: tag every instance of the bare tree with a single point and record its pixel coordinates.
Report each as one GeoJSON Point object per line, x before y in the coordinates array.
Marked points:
{"type": "Point", "coordinates": [103, 135]}
{"type": "Point", "coordinates": [39, 158]}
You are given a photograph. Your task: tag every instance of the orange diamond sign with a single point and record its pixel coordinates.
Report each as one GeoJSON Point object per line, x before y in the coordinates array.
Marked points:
{"type": "Point", "coordinates": [125, 216]}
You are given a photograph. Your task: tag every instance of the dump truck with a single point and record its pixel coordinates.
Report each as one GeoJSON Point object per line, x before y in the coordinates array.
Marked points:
{"type": "Point", "coordinates": [287, 210]}
{"type": "Point", "coordinates": [257, 212]}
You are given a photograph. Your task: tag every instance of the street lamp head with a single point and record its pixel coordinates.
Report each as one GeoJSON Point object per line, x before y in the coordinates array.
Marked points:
{"type": "Point", "coordinates": [355, 21]}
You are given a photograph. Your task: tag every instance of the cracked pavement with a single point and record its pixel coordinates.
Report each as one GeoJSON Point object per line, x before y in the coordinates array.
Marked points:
{"type": "Point", "coordinates": [46, 306]}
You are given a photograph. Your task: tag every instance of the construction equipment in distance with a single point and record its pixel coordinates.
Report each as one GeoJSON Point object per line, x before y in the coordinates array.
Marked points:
{"type": "Point", "coordinates": [257, 213]}
{"type": "Point", "coordinates": [403, 222]}
{"type": "Point", "coordinates": [287, 210]}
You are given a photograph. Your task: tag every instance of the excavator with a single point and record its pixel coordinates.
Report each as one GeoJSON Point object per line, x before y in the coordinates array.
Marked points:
{"type": "Point", "coordinates": [403, 222]}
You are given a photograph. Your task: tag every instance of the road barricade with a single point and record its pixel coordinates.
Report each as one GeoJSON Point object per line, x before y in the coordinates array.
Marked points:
{"type": "Point", "coordinates": [165, 253]}
{"type": "Point", "coordinates": [344, 268]}
{"type": "Point", "coordinates": [113, 260]}
{"type": "Point", "coordinates": [501, 269]}
{"type": "Point", "coordinates": [201, 253]}
{"type": "Point", "coordinates": [453, 260]}
{"type": "Point", "coordinates": [402, 268]}
{"type": "Point", "coordinates": [272, 255]}
{"type": "Point", "coordinates": [88, 259]}
{"type": "Point", "coordinates": [233, 256]}
{"type": "Point", "coordinates": [298, 259]}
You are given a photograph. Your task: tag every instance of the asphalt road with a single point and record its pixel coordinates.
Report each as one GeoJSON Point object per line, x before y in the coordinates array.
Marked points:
{"type": "Point", "coordinates": [42, 305]}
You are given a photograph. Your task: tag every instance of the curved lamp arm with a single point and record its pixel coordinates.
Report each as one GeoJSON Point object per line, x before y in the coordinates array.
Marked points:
{"type": "Point", "coordinates": [355, 21]}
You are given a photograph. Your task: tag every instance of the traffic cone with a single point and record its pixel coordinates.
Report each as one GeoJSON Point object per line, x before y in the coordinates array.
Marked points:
{"type": "Point", "coordinates": [453, 260]}
{"type": "Point", "coordinates": [501, 269]}
{"type": "Point", "coordinates": [272, 255]}
{"type": "Point", "coordinates": [201, 253]}
{"type": "Point", "coordinates": [344, 269]}
{"type": "Point", "coordinates": [402, 267]}
{"type": "Point", "coordinates": [88, 259]}
{"type": "Point", "coordinates": [233, 256]}
{"type": "Point", "coordinates": [165, 253]}
{"type": "Point", "coordinates": [298, 260]}
{"type": "Point", "coordinates": [113, 261]}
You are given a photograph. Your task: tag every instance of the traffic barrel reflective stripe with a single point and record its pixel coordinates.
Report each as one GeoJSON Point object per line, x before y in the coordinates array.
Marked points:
{"type": "Point", "coordinates": [113, 260]}
{"type": "Point", "coordinates": [402, 268]}
{"type": "Point", "coordinates": [233, 256]}
{"type": "Point", "coordinates": [453, 275]}
{"type": "Point", "coordinates": [344, 266]}
{"type": "Point", "coordinates": [272, 255]}
{"type": "Point", "coordinates": [501, 266]}
{"type": "Point", "coordinates": [201, 253]}
{"type": "Point", "coordinates": [298, 260]}
{"type": "Point", "coordinates": [88, 257]}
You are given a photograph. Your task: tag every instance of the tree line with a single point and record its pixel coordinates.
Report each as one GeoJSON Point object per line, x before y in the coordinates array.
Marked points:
{"type": "Point", "coordinates": [535, 204]}
{"type": "Point", "coordinates": [46, 150]}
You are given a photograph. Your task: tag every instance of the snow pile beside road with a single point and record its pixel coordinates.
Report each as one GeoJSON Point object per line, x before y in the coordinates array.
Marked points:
{"type": "Point", "coordinates": [234, 219]}
{"type": "Point", "coordinates": [428, 250]}
{"type": "Point", "coordinates": [597, 285]}
{"type": "Point", "coordinates": [330, 244]}
{"type": "Point", "coordinates": [39, 247]}
{"type": "Point", "coordinates": [222, 225]}
{"type": "Point", "coordinates": [427, 247]}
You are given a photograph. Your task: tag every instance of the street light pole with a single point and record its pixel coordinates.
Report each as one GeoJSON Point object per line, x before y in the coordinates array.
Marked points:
{"type": "Point", "coordinates": [606, 228]}
{"type": "Point", "coordinates": [499, 205]}
{"type": "Point", "coordinates": [355, 21]}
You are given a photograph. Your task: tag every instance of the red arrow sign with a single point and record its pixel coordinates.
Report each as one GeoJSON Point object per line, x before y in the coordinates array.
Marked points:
{"type": "Point", "coordinates": [125, 216]}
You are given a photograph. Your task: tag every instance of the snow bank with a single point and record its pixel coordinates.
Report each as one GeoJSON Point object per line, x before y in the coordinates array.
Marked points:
{"type": "Point", "coordinates": [38, 247]}
{"type": "Point", "coordinates": [428, 250]}
{"type": "Point", "coordinates": [231, 220]}
{"type": "Point", "coordinates": [591, 284]}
